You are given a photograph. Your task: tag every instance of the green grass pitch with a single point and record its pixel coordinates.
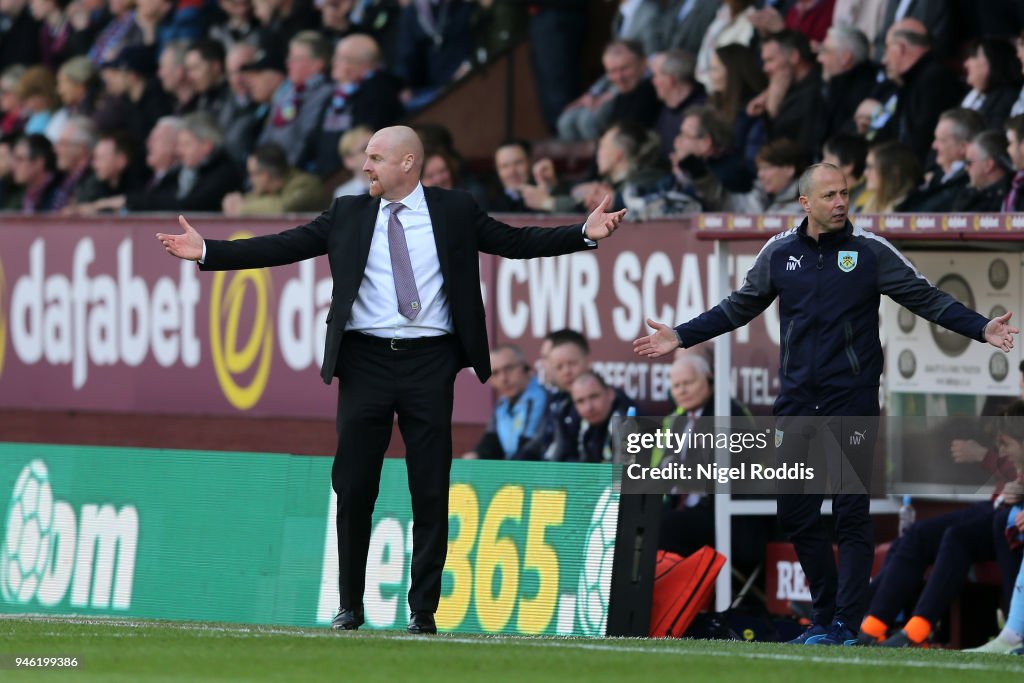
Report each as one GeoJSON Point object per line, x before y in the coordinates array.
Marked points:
{"type": "Point", "coordinates": [112, 650]}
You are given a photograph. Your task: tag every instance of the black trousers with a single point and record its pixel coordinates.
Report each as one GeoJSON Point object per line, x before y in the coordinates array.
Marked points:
{"type": "Point", "coordinates": [842, 448]}
{"type": "Point", "coordinates": [416, 382]}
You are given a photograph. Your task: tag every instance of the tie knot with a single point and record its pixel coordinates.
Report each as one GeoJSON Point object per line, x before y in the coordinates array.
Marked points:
{"type": "Point", "coordinates": [395, 207]}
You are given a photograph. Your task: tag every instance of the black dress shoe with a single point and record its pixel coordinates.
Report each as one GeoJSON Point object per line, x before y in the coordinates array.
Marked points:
{"type": "Point", "coordinates": [347, 620]}
{"type": "Point", "coordinates": [422, 622]}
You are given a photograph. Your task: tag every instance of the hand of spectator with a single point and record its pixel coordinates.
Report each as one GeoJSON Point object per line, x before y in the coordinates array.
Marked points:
{"type": "Point", "coordinates": [188, 245]}
{"type": "Point", "coordinates": [596, 194]}
{"type": "Point", "coordinates": [600, 223]}
{"type": "Point", "coordinates": [967, 451]}
{"type": "Point", "coordinates": [537, 198]}
{"type": "Point", "coordinates": [767, 20]}
{"type": "Point", "coordinates": [544, 173]}
{"type": "Point", "coordinates": [1018, 521]}
{"type": "Point", "coordinates": [231, 205]}
{"type": "Point", "coordinates": [463, 69]}
{"type": "Point", "coordinates": [1013, 492]}
{"type": "Point", "coordinates": [865, 112]}
{"type": "Point", "coordinates": [470, 455]}
{"type": "Point", "coordinates": [756, 106]}
{"type": "Point", "coordinates": [661, 342]}
{"type": "Point", "coordinates": [999, 333]}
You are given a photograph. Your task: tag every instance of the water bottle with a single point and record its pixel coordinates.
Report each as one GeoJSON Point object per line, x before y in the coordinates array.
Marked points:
{"type": "Point", "coordinates": [907, 515]}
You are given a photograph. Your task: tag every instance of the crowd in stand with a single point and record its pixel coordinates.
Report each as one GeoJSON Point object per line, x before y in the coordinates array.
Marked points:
{"type": "Point", "coordinates": [713, 105]}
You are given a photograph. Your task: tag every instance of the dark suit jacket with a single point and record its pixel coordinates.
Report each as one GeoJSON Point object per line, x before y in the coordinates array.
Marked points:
{"type": "Point", "coordinates": [343, 232]}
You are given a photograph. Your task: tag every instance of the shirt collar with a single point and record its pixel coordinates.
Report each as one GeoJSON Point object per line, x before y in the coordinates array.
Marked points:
{"type": "Point", "coordinates": [412, 201]}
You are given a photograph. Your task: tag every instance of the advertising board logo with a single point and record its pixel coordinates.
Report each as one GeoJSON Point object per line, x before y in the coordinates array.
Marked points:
{"type": "Point", "coordinates": [242, 369]}
{"type": "Point", "coordinates": [47, 549]}
{"type": "Point", "coordinates": [592, 596]}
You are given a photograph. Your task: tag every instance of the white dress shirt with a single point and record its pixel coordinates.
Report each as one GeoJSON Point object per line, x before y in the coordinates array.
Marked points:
{"type": "Point", "coordinates": [375, 310]}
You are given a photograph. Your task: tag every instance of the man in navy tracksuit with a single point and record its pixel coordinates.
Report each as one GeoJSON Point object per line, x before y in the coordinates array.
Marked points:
{"type": "Point", "coordinates": [828, 276]}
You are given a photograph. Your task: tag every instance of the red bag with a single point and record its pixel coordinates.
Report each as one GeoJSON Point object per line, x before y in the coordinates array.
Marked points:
{"type": "Point", "coordinates": [682, 588]}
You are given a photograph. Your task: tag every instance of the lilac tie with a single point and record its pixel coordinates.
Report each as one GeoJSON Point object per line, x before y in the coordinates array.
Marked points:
{"type": "Point", "coordinates": [401, 266]}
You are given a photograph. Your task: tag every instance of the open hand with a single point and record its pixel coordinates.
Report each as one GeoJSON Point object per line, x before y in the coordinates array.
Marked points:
{"type": "Point", "coordinates": [188, 245]}
{"type": "Point", "coordinates": [600, 223]}
{"type": "Point", "coordinates": [999, 334]}
{"type": "Point", "coordinates": [661, 342]}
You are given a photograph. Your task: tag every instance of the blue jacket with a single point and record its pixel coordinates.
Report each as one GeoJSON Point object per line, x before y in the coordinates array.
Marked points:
{"type": "Point", "coordinates": [514, 423]}
{"type": "Point", "coordinates": [829, 292]}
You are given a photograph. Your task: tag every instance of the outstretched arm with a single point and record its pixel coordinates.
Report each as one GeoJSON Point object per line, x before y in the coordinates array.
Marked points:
{"type": "Point", "coordinates": [999, 333]}
{"type": "Point", "coordinates": [600, 223]}
{"type": "Point", "coordinates": [188, 245]}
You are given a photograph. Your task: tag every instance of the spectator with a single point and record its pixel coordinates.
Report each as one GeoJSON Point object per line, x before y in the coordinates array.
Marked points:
{"type": "Point", "coordinates": [924, 87]}
{"type": "Point", "coordinates": [951, 542]}
{"type": "Point", "coordinates": [162, 187]}
{"type": "Point", "coordinates": [113, 168]}
{"type": "Point", "coordinates": [589, 438]}
{"type": "Point", "coordinates": [811, 18]}
{"type": "Point", "coordinates": [955, 129]}
{"type": "Point", "coordinates": [623, 94]}
{"type": "Point", "coordinates": [76, 90]}
{"type": "Point", "coordinates": [736, 78]}
{"type": "Point", "coordinates": [139, 100]}
{"type": "Point", "coordinates": [277, 188]}
{"type": "Point", "coordinates": [520, 409]}
{"type": "Point", "coordinates": [19, 34]}
{"type": "Point", "coordinates": [265, 83]}
{"type": "Point", "coordinates": [988, 167]}
{"type": "Point", "coordinates": [677, 90]}
{"type": "Point", "coordinates": [54, 31]}
{"type": "Point", "coordinates": [1018, 105]}
{"type": "Point", "coordinates": [239, 27]}
{"type": "Point", "coordinates": [849, 78]}
{"type": "Point", "coordinates": [512, 164]}
{"type": "Point", "coordinates": [433, 46]}
{"type": "Point", "coordinates": [568, 358]}
{"type": "Point", "coordinates": [994, 74]}
{"type": "Point", "coordinates": [684, 23]}
{"type": "Point", "coordinates": [628, 164]}
{"type": "Point", "coordinates": [363, 94]}
{"type": "Point", "coordinates": [74, 157]}
{"type": "Point", "coordinates": [297, 107]}
{"type": "Point", "coordinates": [933, 17]}
{"type": "Point", "coordinates": [204, 68]}
{"type": "Point", "coordinates": [34, 173]}
{"type": "Point", "coordinates": [688, 519]}
{"type": "Point", "coordinates": [240, 118]}
{"type": "Point", "coordinates": [173, 77]}
{"type": "Point", "coordinates": [730, 25]}
{"type": "Point", "coordinates": [13, 122]}
{"type": "Point", "coordinates": [37, 91]}
{"type": "Point", "coordinates": [120, 32]}
{"type": "Point", "coordinates": [793, 97]}
{"type": "Point", "coordinates": [1014, 201]}
{"type": "Point", "coordinates": [352, 149]}
{"type": "Point", "coordinates": [334, 18]}
{"type": "Point", "coordinates": [849, 153]}
{"type": "Point", "coordinates": [891, 173]}
{"type": "Point", "coordinates": [779, 165]}
{"type": "Point", "coordinates": [704, 155]}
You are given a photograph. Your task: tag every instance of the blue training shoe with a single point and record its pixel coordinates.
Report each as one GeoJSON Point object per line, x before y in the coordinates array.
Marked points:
{"type": "Point", "coordinates": [814, 631]}
{"type": "Point", "coordinates": [838, 634]}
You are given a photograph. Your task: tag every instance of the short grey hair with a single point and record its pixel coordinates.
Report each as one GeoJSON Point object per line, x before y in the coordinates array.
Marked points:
{"type": "Point", "coordinates": [202, 125]}
{"type": "Point", "coordinates": [992, 145]}
{"type": "Point", "coordinates": [851, 39]}
{"type": "Point", "coordinates": [679, 65]}
{"type": "Point", "coordinates": [82, 130]}
{"type": "Point", "coordinates": [697, 362]}
{"type": "Point", "coordinates": [516, 352]}
{"type": "Point", "coordinates": [967, 123]}
{"type": "Point", "coordinates": [175, 122]}
{"type": "Point", "coordinates": [807, 177]}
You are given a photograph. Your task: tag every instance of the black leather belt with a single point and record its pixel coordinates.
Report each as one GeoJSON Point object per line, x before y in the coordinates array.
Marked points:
{"type": "Point", "coordinates": [396, 343]}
